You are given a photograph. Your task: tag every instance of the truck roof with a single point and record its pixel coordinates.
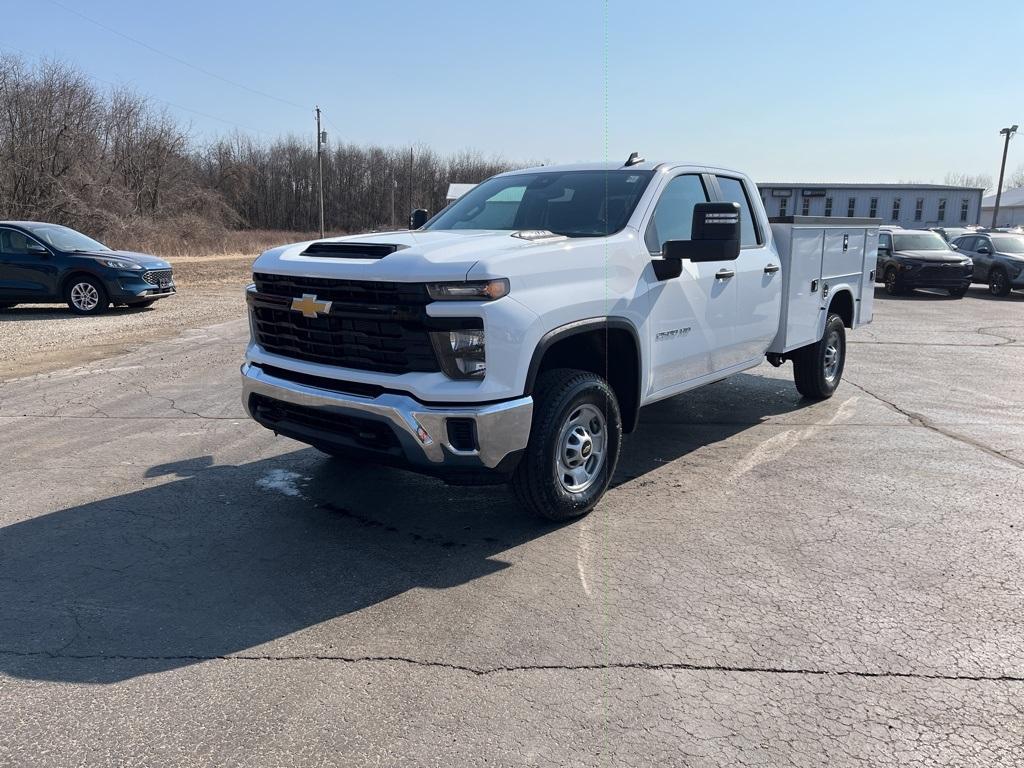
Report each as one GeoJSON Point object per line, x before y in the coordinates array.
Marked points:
{"type": "Point", "coordinates": [646, 165]}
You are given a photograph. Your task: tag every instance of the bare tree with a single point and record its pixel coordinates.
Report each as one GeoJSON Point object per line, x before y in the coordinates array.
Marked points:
{"type": "Point", "coordinates": [976, 181]}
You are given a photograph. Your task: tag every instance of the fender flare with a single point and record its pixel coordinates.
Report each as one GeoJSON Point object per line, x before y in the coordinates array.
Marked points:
{"type": "Point", "coordinates": [588, 325]}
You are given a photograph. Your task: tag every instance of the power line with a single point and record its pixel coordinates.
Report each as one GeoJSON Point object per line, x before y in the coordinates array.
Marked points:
{"type": "Point", "coordinates": [177, 59]}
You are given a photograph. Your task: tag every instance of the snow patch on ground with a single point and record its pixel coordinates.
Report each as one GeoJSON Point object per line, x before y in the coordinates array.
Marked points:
{"type": "Point", "coordinates": [282, 481]}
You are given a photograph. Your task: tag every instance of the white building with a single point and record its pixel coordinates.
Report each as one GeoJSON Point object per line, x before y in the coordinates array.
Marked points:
{"type": "Point", "coordinates": [1011, 208]}
{"type": "Point", "coordinates": [908, 205]}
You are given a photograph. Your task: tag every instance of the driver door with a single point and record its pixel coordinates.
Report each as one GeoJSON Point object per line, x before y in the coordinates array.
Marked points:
{"type": "Point", "coordinates": [27, 269]}
{"type": "Point", "coordinates": [692, 316]}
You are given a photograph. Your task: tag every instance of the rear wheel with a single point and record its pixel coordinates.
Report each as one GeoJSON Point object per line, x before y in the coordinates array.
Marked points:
{"type": "Point", "coordinates": [818, 368]}
{"type": "Point", "coordinates": [86, 296]}
{"type": "Point", "coordinates": [892, 286]}
{"type": "Point", "coordinates": [998, 282]}
{"type": "Point", "coordinates": [573, 448]}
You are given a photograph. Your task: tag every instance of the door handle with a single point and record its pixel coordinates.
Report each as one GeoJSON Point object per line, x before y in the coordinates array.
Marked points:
{"type": "Point", "coordinates": [771, 269]}
{"type": "Point", "coordinates": [724, 274]}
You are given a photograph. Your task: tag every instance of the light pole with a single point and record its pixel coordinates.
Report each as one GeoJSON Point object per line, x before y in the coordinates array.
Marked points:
{"type": "Point", "coordinates": [1008, 133]}
{"type": "Point", "coordinates": [321, 137]}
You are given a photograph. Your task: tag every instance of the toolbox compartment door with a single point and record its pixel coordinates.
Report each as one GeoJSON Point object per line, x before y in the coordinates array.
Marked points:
{"type": "Point", "coordinates": [866, 303]}
{"type": "Point", "coordinates": [800, 251]}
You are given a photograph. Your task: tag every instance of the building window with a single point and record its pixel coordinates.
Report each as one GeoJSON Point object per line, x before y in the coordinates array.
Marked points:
{"type": "Point", "coordinates": [942, 210]}
{"type": "Point", "coordinates": [873, 210]}
{"type": "Point", "coordinates": [851, 207]}
{"type": "Point", "coordinates": [828, 206]}
{"type": "Point", "coordinates": [919, 209]}
{"type": "Point", "coordinates": [896, 209]}
{"type": "Point", "coordinates": [782, 205]}
{"type": "Point", "coordinates": [805, 209]}
{"type": "Point", "coordinates": [965, 209]}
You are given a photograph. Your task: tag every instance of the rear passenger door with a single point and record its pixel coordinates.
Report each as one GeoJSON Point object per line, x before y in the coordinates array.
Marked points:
{"type": "Point", "coordinates": [27, 269]}
{"type": "Point", "coordinates": [758, 278]}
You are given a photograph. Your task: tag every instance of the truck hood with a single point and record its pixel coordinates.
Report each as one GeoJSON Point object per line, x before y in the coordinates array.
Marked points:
{"type": "Point", "coordinates": [414, 256]}
{"type": "Point", "coordinates": [944, 257]}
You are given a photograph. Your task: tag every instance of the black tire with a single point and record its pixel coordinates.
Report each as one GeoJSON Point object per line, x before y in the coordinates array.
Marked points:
{"type": "Point", "coordinates": [6, 305]}
{"type": "Point", "coordinates": [892, 286]}
{"type": "Point", "coordinates": [142, 304]}
{"type": "Point", "coordinates": [998, 282]}
{"type": "Point", "coordinates": [79, 305]}
{"type": "Point", "coordinates": [959, 293]}
{"type": "Point", "coordinates": [561, 397]}
{"type": "Point", "coordinates": [812, 364]}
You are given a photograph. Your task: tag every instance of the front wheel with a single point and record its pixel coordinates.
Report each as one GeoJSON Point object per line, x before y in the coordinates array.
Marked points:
{"type": "Point", "coordinates": [573, 448]}
{"type": "Point", "coordinates": [998, 283]}
{"type": "Point", "coordinates": [818, 367]}
{"type": "Point", "coordinates": [86, 296]}
{"type": "Point", "coordinates": [892, 286]}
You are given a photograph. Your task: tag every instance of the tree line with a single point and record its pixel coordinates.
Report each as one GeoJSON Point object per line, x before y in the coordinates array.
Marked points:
{"type": "Point", "coordinates": [109, 161]}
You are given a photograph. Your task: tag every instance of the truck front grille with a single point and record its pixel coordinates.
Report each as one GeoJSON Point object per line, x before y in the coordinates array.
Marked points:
{"type": "Point", "coordinates": [372, 326]}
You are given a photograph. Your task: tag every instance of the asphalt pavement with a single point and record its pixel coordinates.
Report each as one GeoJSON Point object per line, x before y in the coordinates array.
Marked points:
{"type": "Point", "coordinates": [769, 582]}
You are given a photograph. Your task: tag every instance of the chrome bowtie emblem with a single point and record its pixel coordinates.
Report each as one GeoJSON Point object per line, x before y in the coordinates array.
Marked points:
{"type": "Point", "coordinates": [310, 307]}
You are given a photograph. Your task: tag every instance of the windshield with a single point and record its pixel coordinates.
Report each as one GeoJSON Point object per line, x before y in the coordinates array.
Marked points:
{"type": "Point", "coordinates": [65, 239]}
{"type": "Point", "coordinates": [572, 203]}
{"type": "Point", "coordinates": [920, 242]}
{"type": "Point", "coordinates": [1008, 243]}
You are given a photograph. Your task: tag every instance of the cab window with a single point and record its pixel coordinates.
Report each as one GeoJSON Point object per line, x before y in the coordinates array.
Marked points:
{"type": "Point", "coordinates": [734, 191]}
{"type": "Point", "coordinates": [885, 240]}
{"type": "Point", "coordinates": [673, 215]}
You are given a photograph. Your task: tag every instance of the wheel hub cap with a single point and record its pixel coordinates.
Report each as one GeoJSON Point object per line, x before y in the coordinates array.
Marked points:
{"type": "Point", "coordinates": [833, 356]}
{"type": "Point", "coordinates": [581, 448]}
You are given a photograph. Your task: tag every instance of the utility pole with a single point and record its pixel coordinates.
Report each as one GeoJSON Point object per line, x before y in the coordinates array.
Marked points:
{"type": "Point", "coordinates": [394, 186]}
{"type": "Point", "coordinates": [1008, 133]}
{"type": "Point", "coordinates": [320, 137]}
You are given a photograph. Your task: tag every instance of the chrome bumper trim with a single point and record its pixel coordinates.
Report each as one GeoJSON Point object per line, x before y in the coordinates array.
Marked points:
{"type": "Point", "coordinates": [501, 428]}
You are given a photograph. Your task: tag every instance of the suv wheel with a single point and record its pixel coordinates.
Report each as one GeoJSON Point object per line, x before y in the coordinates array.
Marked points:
{"type": "Point", "coordinates": [86, 296]}
{"type": "Point", "coordinates": [574, 445]}
{"type": "Point", "coordinates": [818, 368]}
{"type": "Point", "coordinates": [998, 283]}
{"type": "Point", "coordinates": [892, 287]}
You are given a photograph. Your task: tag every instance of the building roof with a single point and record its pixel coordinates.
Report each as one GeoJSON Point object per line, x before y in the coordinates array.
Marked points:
{"type": "Point", "coordinates": [1012, 198]}
{"type": "Point", "coordinates": [819, 184]}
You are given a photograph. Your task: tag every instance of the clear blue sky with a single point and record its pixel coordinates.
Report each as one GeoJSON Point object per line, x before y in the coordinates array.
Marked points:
{"type": "Point", "coordinates": [865, 90]}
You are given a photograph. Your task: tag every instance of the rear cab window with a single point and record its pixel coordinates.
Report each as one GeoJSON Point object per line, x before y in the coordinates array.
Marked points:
{"type": "Point", "coordinates": [735, 191]}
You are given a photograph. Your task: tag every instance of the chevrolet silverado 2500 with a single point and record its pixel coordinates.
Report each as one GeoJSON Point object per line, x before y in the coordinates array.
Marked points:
{"type": "Point", "coordinates": [516, 334]}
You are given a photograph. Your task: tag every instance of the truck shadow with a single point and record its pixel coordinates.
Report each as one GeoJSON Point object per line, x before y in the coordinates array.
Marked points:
{"type": "Point", "coordinates": [672, 428]}
{"type": "Point", "coordinates": [217, 560]}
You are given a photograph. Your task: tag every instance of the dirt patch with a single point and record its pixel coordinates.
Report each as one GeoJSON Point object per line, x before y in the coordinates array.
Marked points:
{"type": "Point", "coordinates": [47, 337]}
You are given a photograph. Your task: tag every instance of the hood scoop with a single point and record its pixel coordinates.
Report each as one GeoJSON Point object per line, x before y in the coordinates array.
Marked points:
{"type": "Point", "coordinates": [349, 250]}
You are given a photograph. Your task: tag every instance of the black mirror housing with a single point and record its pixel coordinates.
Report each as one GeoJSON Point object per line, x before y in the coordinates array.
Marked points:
{"type": "Point", "coordinates": [715, 235]}
{"type": "Point", "coordinates": [418, 218]}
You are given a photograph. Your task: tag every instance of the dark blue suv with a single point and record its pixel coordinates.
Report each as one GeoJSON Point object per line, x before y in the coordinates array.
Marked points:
{"type": "Point", "coordinates": [46, 263]}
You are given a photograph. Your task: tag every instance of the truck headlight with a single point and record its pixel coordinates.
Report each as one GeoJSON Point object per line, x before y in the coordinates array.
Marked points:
{"type": "Point", "coordinates": [461, 353]}
{"type": "Point", "coordinates": [477, 290]}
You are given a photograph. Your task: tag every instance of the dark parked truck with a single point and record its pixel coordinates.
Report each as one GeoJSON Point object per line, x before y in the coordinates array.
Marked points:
{"type": "Point", "coordinates": [47, 263]}
{"type": "Point", "coordinates": [516, 335]}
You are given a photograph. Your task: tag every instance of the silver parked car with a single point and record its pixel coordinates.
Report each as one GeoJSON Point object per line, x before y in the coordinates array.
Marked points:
{"type": "Point", "coordinates": [998, 259]}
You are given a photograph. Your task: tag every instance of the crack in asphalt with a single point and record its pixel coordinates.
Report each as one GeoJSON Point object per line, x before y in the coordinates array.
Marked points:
{"type": "Point", "coordinates": [918, 420]}
{"type": "Point", "coordinates": [486, 671]}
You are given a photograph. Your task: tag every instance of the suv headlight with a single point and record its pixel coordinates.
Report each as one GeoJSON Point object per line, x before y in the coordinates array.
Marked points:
{"type": "Point", "coordinates": [118, 264]}
{"type": "Point", "coordinates": [461, 353]}
{"type": "Point", "coordinates": [478, 290]}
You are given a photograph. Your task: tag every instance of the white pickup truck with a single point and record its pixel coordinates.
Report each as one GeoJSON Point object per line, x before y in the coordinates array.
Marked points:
{"type": "Point", "coordinates": [516, 335]}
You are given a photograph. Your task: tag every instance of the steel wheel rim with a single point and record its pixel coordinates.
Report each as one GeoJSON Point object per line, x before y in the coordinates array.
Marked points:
{"type": "Point", "coordinates": [833, 356]}
{"type": "Point", "coordinates": [582, 448]}
{"type": "Point", "coordinates": [85, 296]}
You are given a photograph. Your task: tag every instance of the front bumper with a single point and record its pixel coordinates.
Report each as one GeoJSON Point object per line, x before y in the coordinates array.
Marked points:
{"type": "Point", "coordinates": [130, 286]}
{"type": "Point", "coordinates": [420, 435]}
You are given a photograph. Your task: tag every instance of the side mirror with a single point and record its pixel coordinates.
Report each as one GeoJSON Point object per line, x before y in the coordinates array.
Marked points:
{"type": "Point", "coordinates": [984, 249]}
{"type": "Point", "coordinates": [36, 248]}
{"type": "Point", "coordinates": [954, 246]}
{"type": "Point", "coordinates": [884, 249]}
{"type": "Point", "coordinates": [715, 235]}
{"type": "Point", "coordinates": [418, 218]}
